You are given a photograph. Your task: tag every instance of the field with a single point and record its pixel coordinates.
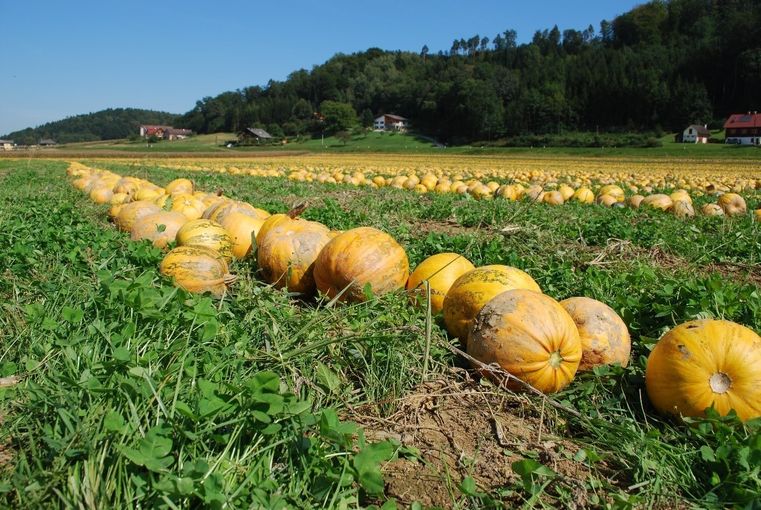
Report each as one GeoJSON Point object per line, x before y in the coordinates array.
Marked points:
{"type": "Point", "coordinates": [120, 390]}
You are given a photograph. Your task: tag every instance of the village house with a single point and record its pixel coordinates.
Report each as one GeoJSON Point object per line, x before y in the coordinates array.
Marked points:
{"type": "Point", "coordinates": [164, 132]}
{"type": "Point", "coordinates": [743, 129]}
{"type": "Point", "coordinates": [7, 145]}
{"type": "Point", "coordinates": [389, 122]}
{"type": "Point", "coordinates": [47, 142]}
{"type": "Point", "coordinates": [695, 133]}
{"type": "Point", "coordinates": [250, 135]}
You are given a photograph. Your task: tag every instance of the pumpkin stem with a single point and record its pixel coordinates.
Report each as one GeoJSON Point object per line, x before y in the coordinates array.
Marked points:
{"type": "Point", "coordinates": [720, 383]}
{"type": "Point", "coordinates": [229, 279]}
{"type": "Point", "coordinates": [555, 359]}
{"type": "Point", "coordinates": [296, 211]}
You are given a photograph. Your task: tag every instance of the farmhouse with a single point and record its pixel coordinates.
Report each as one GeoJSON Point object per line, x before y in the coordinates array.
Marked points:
{"type": "Point", "coordinates": [47, 142]}
{"type": "Point", "coordinates": [6, 145]}
{"type": "Point", "coordinates": [249, 134]}
{"type": "Point", "coordinates": [743, 129]}
{"type": "Point", "coordinates": [695, 134]}
{"type": "Point", "coordinates": [388, 122]}
{"type": "Point", "coordinates": [164, 132]}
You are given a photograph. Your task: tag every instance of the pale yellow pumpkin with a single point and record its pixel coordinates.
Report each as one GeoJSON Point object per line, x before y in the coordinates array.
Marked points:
{"type": "Point", "coordinates": [604, 336]}
{"type": "Point", "coordinates": [440, 271]}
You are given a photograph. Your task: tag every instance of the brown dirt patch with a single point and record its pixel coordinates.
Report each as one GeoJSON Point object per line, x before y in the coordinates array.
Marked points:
{"type": "Point", "coordinates": [462, 428]}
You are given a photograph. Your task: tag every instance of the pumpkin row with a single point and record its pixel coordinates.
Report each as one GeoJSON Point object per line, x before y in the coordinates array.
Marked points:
{"type": "Point", "coordinates": [498, 312]}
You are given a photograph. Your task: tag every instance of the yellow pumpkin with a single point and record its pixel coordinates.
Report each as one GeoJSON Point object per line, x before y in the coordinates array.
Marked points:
{"type": "Point", "coordinates": [207, 233]}
{"type": "Point", "coordinates": [732, 204]}
{"type": "Point", "coordinates": [197, 269]}
{"type": "Point", "coordinates": [530, 336]}
{"type": "Point", "coordinates": [607, 200]}
{"type": "Point", "coordinates": [129, 213]}
{"type": "Point", "coordinates": [441, 271]}
{"type": "Point", "coordinates": [584, 195]}
{"type": "Point", "coordinates": [682, 195]}
{"type": "Point", "coordinates": [179, 186]}
{"type": "Point", "coordinates": [712, 210]}
{"type": "Point", "coordinates": [188, 205]}
{"type": "Point", "coordinates": [119, 198]}
{"type": "Point", "coordinates": [566, 191]}
{"type": "Point", "coordinates": [706, 363]}
{"type": "Point", "coordinates": [232, 206]}
{"type": "Point", "coordinates": [359, 257]}
{"type": "Point", "coordinates": [683, 209]}
{"type": "Point", "coordinates": [160, 228]}
{"type": "Point", "coordinates": [757, 215]}
{"type": "Point", "coordinates": [613, 191]}
{"type": "Point", "coordinates": [553, 198]}
{"type": "Point", "coordinates": [148, 193]}
{"type": "Point", "coordinates": [635, 201]}
{"type": "Point", "coordinates": [604, 337]}
{"type": "Point", "coordinates": [658, 201]}
{"type": "Point", "coordinates": [535, 193]}
{"type": "Point", "coordinates": [242, 228]}
{"type": "Point", "coordinates": [286, 255]}
{"type": "Point", "coordinates": [471, 291]}
{"type": "Point", "coordinates": [101, 195]}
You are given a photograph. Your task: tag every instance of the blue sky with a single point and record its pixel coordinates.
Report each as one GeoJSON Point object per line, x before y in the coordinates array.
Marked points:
{"type": "Point", "coordinates": [66, 58]}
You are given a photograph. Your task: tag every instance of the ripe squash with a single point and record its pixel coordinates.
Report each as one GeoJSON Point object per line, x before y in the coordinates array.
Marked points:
{"type": "Point", "coordinates": [232, 206]}
{"type": "Point", "coordinates": [635, 201]}
{"type": "Point", "coordinates": [188, 205]}
{"type": "Point", "coordinates": [566, 191]}
{"type": "Point", "coordinates": [359, 257]}
{"type": "Point", "coordinates": [612, 190]}
{"type": "Point", "coordinates": [683, 209]}
{"type": "Point", "coordinates": [733, 204]}
{"type": "Point", "coordinates": [242, 228]}
{"type": "Point", "coordinates": [658, 201]}
{"type": "Point", "coordinates": [706, 363]}
{"type": "Point", "coordinates": [129, 213]}
{"type": "Point", "coordinates": [757, 215]}
{"type": "Point", "coordinates": [160, 228]}
{"type": "Point", "coordinates": [607, 200]}
{"type": "Point", "coordinates": [441, 271]}
{"type": "Point", "coordinates": [604, 337]}
{"type": "Point", "coordinates": [179, 186]}
{"type": "Point", "coordinates": [207, 233]}
{"type": "Point", "coordinates": [286, 255]}
{"type": "Point", "coordinates": [471, 291]}
{"type": "Point", "coordinates": [530, 336]}
{"type": "Point", "coordinates": [583, 195]}
{"type": "Point", "coordinates": [553, 198]}
{"type": "Point", "coordinates": [712, 210]}
{"type": "Point", "coordinates": [197, 269]}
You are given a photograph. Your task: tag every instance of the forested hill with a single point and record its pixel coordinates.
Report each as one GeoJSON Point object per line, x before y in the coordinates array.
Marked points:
{"type": "Point", "coordinates": [663, 65]}
{"type": "Point", "coordinates": [103, 125]}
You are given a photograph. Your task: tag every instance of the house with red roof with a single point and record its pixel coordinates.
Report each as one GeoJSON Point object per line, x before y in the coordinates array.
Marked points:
{"type": "Point", "coordinates": [743, 129]}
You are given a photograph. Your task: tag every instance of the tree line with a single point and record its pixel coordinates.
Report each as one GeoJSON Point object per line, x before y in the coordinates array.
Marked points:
{"type": "Point", "coordinates": [661, 66]}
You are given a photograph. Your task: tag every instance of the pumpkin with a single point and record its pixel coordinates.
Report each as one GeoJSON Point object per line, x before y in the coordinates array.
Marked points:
{"type": "Point", "coordinates": [732, 204]}
{"type": "Point", "coordinates": [101, 195]}
{"type": "Point", "coordinates": [286, 255]}
{"type": "Point", "coordinates": [471, 291]}
{"type": "Point", "coordinates": [128, 185]}
{"type": "Point", "coordinates": [706, 363]}
{"type": "Point", "coordinates": [129, 213]}
{"type": "Point", "coordinates": [682, 195]}
{"type": "Point", "coordinates": [530, 336]}
{"type": "Point", "coordinates": [242, 228]}
{"type": "Point", "coordinates": [712, 210]}
{"type": "Point", "coordinates": [197, 269]}
{"type": "Point", "coordinates": [179, 186]}
{"type": "Point", "coordinates": [683, 209]}
{"type": "Point", "coordinates": [188, 205]}
{"type": "Point", "coordinates": [160, 228]}
{"type": "Point", "coordinates": [207, 233]}
{"type": "Point", "coordinates": [535, 193]}
{"type": "Point", "coordinates": [613, 191]}
{"type": "Point", "coordinates": [441, 271]}
{"type": "Point", "coordinates": [357, 258]}
{"type": "Point", "coordinates": [607, 200]}
{"type": "Point", "coordinates": [757, 215]}
{"type": "Point", "coordinates": [119, 198]}
{"type": "Point", "coordinates": [510, 192]}
{"type": "Point", "coordinates": [604, 337]}
{"type": "Point", "coordinates": [148, 193]}
{"type": "Point", "coordinates": [658, 201]}
{"type": "Point", "coordinates": [566, 191]}
{"type": "Point", "coordinates": [232, 206]}
{"type": "Point", "coordinates": [583, 195]}
{"type": "Point", "coordinates": [553, 198]}
{"type": "Point", "coordinates": [635, 201]}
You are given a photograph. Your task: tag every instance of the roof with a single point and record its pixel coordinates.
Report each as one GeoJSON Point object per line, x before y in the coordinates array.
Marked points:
{"type": "Point", "coordinates": [154, 126]}
{"type": "Point", "coordinates": [392, 116]}
{"type": "Point", "coordinates": [6, 141]}
{"type": "Point", "coordinates": [743, 120]}
{"type": "Point", "coordinates": [258, 132]}
{"type": "Point", "coordinates": [178, 131]}
{"type": "Point", "coordinates": [700, 130]}
{"type": "Point", "coordinates": [47, 141]}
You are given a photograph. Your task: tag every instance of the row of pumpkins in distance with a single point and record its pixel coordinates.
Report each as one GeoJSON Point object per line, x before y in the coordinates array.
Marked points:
{"type": "Point", "coordinates": [498, 312]}
{"type": "Point", "coordinates": [679, 202]}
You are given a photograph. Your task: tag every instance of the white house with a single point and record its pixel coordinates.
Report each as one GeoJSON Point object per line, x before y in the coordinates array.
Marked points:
{"type": "Point", "coordinates": [389, 122]}
{"type": "Point", "coordinates": [696, 134]}
{"type": "Point", "coordinates": [743, 129]}
{"type": "Point", "coordinates": [6, 145]}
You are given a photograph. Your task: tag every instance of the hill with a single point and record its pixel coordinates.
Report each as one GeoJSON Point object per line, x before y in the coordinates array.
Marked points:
{"type": "Point", "coordinates": [661, 66]}
{"type": "Point", "coordinates": [109, 124]}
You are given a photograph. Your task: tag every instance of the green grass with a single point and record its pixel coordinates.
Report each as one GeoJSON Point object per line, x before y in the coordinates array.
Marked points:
{"type": "Point", "coordinates": [135, 393]}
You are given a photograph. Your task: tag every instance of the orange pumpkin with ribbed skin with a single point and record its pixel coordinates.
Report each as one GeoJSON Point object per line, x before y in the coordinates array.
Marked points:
{"type": "Point", "coordinates": [732, 204]}
{"type": "Point", "coordinates": [206, 233]}
{"type": "Point", "coordinates": [179, 186]}
{"type": "Point", "coordinates": [242, 228]}
{"type": "Point", "coordinates": [197, 269]}
{"type": "Point", "coordinates": [604, 336]}
{"type": "Point", "coordinates": [530, 336]}
{"type": "Point", "coordinates": [471, 291]}
{"type": "Point", "coordinates": [658, 201]}
{"type": "Point", "coordinates": [706, 363]}
{"type": "Point", "coordinates": [231, 206]}
{"type": "Point", "coordinates": [286, 255]}
{"type": "Point", "coordinates": [441, 271]}
{"type": "Point", "coordinates": [129, 213]}
{"type": "Point", "coordinates": [359, 257]}
{"type": "Point", "coordinates": [583, 195]}
{"type": "Point", "coordinates": [712, 210]}
{"type": "Point", "coordinates": [188, 205]}
{"type": "Point", "coordinates": [160, 228]}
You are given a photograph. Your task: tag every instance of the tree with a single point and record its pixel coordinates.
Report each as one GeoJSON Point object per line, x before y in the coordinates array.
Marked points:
{"type": "Point", "coordinates": [338, 116]}
{"type": "Point", "coordinates": [343, 137]}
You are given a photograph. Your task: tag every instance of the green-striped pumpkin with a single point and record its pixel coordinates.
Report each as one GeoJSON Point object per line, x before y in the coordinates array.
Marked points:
{"type": "Point", "coordinates": [197, 269]}
{"type": "Point", "coordinates": [206, 233]}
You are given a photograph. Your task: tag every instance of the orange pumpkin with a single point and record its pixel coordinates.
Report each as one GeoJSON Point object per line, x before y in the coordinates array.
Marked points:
{"type": "Point", "coordinates": [530, 336]}
{"type": "Point", "coordinates": [179, 186]}
{"type": "Point", "coordinates": [706, 363]}
{"type": "Point", "coordinates": [197, 269]}
{"type": "Point", "coordinates": [286, 255]}
{"type": "Point", "coordinates": [712, 210]}
{"type": "Point", "coordinates": [242, 229]}
{"type": "Point", "coordinates": [604, 337]}
{"type": "Point", "coordinates": [732, 204]}
{"type": "Point", "coordinates": [471, 291]}
{"type": "Point", "coordinates": [441, 271]}
{"type": "Point", "coordinates": [357, 258]}
{"type": "Point", "coordinates": [232, 206]}
{"type": "Point", "coordinates": [553, 198]}
{"type": "Point", "coordinates": [206, 233]}
{"type": "Point", "coordinates": [129, 213]}
{"type": "Point", "coordinates": [160, 228]}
